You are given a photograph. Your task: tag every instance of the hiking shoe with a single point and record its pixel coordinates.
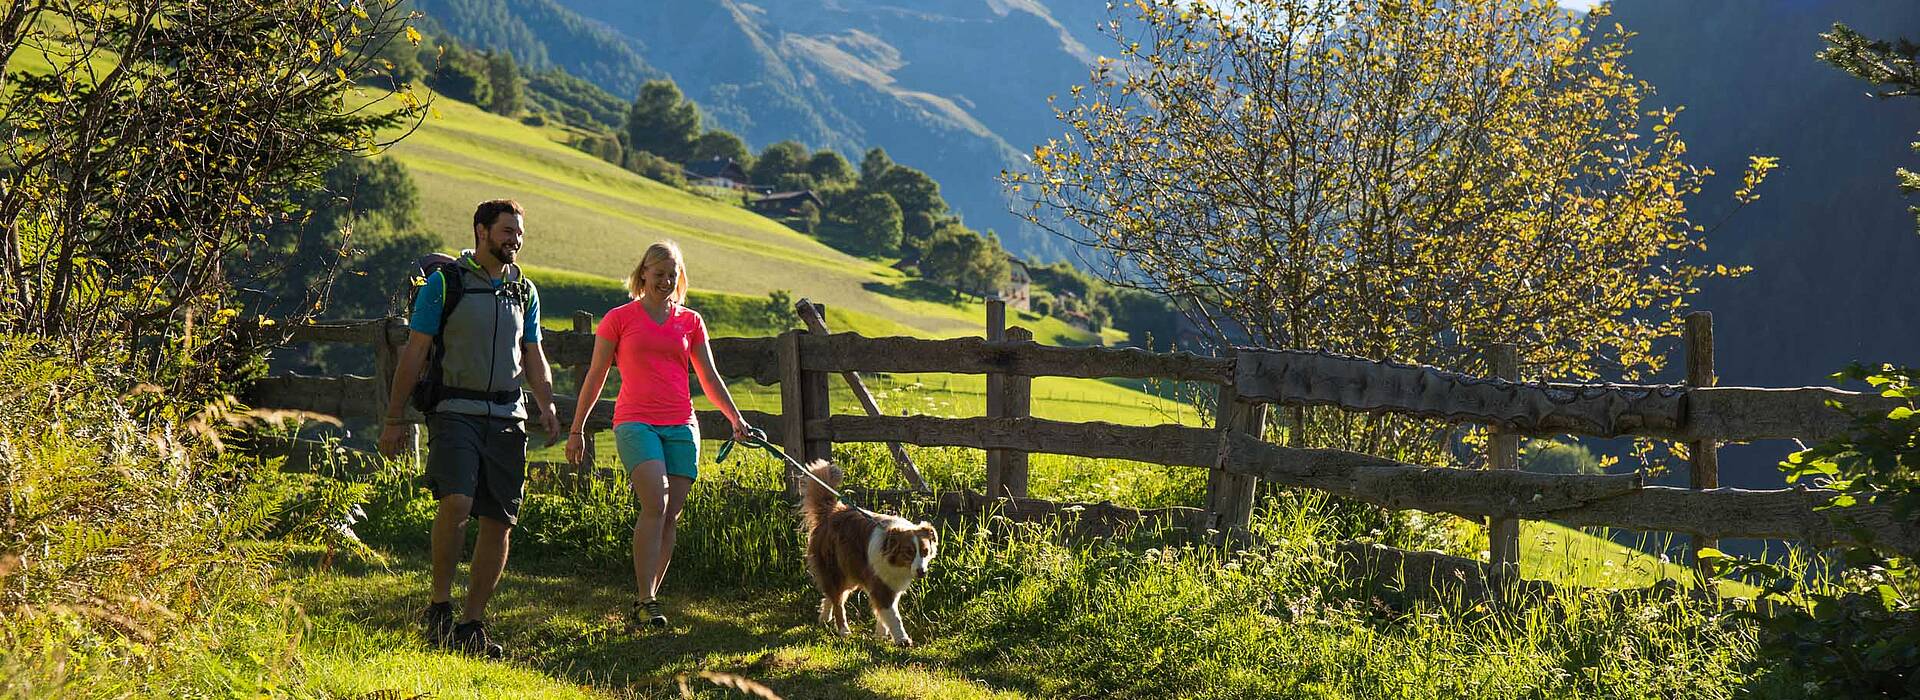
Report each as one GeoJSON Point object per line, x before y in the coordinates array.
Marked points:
{"type": "Point", "coordinates": [439, 620]}
{"type": "Point", "coordinates": [647, 612]}
{"type": "Point", "coordinates": [471, 637]}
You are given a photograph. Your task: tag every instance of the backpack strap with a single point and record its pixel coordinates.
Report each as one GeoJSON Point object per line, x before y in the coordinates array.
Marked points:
{"type": "Point", "coordinates": [432, 387]}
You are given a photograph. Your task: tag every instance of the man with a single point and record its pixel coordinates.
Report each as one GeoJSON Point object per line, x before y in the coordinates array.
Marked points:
{"type": "Point", "coordinates": [489, 347]}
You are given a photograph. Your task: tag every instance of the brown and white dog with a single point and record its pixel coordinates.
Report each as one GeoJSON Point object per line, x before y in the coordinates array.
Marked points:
{"type": "Point", "coordinates": [849, 548]}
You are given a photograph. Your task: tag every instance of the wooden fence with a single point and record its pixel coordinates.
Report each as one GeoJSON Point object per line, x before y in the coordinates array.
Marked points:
{"type": "Point", "coordinates": [1237, 458]}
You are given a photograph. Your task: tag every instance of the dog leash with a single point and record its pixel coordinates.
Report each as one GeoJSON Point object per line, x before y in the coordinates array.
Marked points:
{"type": "Point", "coordinates": [758, 438]}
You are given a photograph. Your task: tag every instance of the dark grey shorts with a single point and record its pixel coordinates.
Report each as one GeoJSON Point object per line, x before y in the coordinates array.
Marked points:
{"type": "Point", "coordinates": [479, 457]}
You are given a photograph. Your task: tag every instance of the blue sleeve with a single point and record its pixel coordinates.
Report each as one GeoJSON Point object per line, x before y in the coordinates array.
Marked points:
{"type": "Point", "coordinates": [532, 321]}
{"type": "Point", "coordinates": [427, 304]}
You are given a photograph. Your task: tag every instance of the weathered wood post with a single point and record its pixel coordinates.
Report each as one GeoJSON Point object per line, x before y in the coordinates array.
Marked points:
{"type": "Point", "coordinates": [1017, 402]}
{"type": "Point", "coordinates": [996, 399]}
{"type": "Point", "coordinates": [583, 470]}
{"type": "Point", "coordinates": [386, 362]}
{"type": "Point", "coordinates": [817, 323]}
{"type": "Point", "coordinates": [793, 418]}
{"type": "Point", "coordinates": [1503, 452]}
{"type": "Point", "coordinates": [803, 396]}
{"type": "Point", "coordinates": [1230, 496]}
{"type": "Point", "coordinates": [1704, 454]}
{"type": "Point", "coordinates": [815, 385]}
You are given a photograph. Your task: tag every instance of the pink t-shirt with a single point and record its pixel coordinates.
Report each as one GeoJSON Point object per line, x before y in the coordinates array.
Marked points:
{"type": "Point", "coordinates": [654, 359]}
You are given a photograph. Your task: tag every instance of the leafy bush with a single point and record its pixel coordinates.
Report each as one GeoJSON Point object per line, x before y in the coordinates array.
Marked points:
{"type": "Point", "coordinates": [1855, 633]}
{"type": "Point", "coordinates": [656, 168]}
{"type": "Point", "coordinates": [131, 540]}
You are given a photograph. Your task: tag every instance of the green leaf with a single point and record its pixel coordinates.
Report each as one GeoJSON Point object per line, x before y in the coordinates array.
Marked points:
{"type": "Point", "coordinates": [1710, 553]}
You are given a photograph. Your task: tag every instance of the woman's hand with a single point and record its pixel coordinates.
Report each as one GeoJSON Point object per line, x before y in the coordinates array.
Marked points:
{"type": "Point", "coordinates": [741, 430]}
{"type": "Point", "coordinates": [576, 447]}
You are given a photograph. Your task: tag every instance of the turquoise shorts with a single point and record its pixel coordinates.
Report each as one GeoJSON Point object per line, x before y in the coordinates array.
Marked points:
{"type": "Point", "coordinates": [677, 445]}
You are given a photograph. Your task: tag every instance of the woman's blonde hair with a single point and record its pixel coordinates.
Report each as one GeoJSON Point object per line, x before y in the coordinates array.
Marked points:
{"type": "Point", "coordinates": [658, 253]}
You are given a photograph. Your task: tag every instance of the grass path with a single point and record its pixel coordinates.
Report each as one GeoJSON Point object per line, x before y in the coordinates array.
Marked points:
{"type": "Point", "coordinates": [565, 639]}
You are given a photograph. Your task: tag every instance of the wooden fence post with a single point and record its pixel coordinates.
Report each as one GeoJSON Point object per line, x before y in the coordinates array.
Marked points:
{"type": "Point", "coordinates": [386, 363]}
{"type": "Point", "coordinates": [1704, 454]}
{"type": "Point", "coordinates": [817, 323]}
{"type": "Point", "coordinates": [1503, 452]}
{"type": "Point", "coordinates": [1017, 402]}
{"type": "Point", "coordinates": [1230, 496]}
{"type": "Point", "coordinates": [815, 399]}
{"type": "Point", "coordinates": [996, 399]}
{"type": "Point", "coordinates": [583, 323]}
{"type": "Point", "coordinates": [793, 418]}
{"type": "Point", "coordinates": [803, 396]}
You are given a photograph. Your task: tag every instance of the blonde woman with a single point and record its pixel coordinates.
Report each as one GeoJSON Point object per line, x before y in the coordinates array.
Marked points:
{"type": "Point", "coordinates": [655, 340]}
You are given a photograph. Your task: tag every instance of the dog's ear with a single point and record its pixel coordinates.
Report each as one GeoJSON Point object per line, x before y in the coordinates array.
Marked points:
{"type": "Point", "coordinates": [926, 527]}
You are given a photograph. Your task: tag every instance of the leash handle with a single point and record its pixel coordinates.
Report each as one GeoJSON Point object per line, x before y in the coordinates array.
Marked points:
{"type": "Point", "coordinates": [758, 438]}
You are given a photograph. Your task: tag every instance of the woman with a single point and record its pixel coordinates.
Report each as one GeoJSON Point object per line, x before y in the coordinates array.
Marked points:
{"type": "Point", "coordinates": [654, 339]}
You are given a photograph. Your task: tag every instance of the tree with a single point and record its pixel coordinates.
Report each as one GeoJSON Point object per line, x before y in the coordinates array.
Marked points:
{"type": "Point", "coordinates": [916, 228]}
{"type": "Point", "coordinates": [776, 160]}
{"type": "Point", "coordinates": [873, 165]}
{"type": "Point", "coordinates": [871, 222]}
{"type": "Point", "coordinates": [462, 75]}
{"type": "Point", "coordinates": [829, 166]}
{"type": "Point", "coordinates": [1149, 319]}
{"type": "Point", "coordinates": [503, 80]}
{"type": "Point", "coordinates": [1892, 67]}
{"type": "Point", "coordinates": [791, 182]}
{"type": "Point", "coordinates": [147, 160]}
{"type": "Point", "coordinates": [663, 122]}
{"type": "Point", "coordinates": [1554, 457]}
{"type": "Point", "coordinates": [722, 144]}
{"type": "Point", "coordinates": [808, 218]}
{"type": "Point", "coordinates": [655, 168]}
{"type": "Point", "coordinates": [912, 189]}
{"type": "Point", "coordinates": [960, 258]}
{"type": "Point", "coordinates": [1412, 181]}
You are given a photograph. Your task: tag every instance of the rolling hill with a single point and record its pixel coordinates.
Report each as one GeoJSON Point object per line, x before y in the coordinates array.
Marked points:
{"type": "Point", "coordinates": [588, 216]}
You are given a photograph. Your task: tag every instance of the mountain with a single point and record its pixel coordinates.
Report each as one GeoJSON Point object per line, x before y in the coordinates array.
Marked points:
{"type": "Point", "coordinates": [956, 88]}
{"type": "Point", "coordinates": [541, 35]}
{"type": "Point", "coordinates": [1831, 242]}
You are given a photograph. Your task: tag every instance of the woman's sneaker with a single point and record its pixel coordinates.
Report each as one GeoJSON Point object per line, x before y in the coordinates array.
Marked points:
{"type": "Point", "coordinates": [439, 620]}
{"type": "Point", "coordinates": [471, 637]}
{"type": "Point", "coordinates": [647, 613]}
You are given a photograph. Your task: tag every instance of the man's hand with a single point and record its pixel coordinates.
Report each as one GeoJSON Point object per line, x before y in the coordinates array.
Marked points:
{"type": "Point", "coordinates": [390, 439]}
{"type": "Point", "coordinates": [550, 423]}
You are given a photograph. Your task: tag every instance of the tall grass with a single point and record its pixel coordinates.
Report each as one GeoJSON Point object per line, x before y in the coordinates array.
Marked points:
{"type": "Point", "coordinates": [1150, 614]}
{"type": "Point", "coordinates": [129, 555]}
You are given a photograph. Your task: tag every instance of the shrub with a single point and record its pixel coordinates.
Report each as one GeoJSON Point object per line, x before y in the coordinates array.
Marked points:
{"type": "Point", "coordinates": [131, 539]}
{"type": "Point", "coordinates": [656, 168]}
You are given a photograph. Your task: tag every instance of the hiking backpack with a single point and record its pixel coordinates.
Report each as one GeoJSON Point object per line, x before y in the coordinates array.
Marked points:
{"type": "Point", "coordinates": [429, 389]}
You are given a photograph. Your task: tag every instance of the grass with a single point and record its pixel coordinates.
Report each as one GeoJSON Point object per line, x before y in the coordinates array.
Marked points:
{"type": "Point", "coordinates": [1009, 612]}
{"type": "Point", "coordinates": [938, 394]}
{"type": "Point", "coordinates": [589, 216]}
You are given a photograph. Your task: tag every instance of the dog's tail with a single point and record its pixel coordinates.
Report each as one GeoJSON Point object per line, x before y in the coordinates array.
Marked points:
{"type": "Point", "coordinates": [817, 503]}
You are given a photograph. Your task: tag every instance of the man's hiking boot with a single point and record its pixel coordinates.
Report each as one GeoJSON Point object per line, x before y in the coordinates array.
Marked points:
{"type": "Point", "coordinates": [646, 613]}
{"type": "Point", "coordinates": [439, 620]}
{"type": "Point", "coordinates": [471, 637]}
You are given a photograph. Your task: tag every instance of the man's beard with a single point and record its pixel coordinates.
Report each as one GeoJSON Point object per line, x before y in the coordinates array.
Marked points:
{"type": "Point", "coordinates": [501, 254]}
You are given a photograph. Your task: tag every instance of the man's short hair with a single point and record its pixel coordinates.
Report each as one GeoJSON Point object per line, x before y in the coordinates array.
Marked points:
{"type": "Point", "coordinates": [489, 211]}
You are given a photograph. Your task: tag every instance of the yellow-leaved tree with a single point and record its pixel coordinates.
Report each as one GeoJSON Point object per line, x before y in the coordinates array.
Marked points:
{"type": "Point", "coordinates": [1410, 180]}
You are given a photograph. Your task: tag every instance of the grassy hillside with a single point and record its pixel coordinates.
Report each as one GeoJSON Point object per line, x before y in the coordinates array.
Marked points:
{"type": "Point", "coordinates": [589, 216]}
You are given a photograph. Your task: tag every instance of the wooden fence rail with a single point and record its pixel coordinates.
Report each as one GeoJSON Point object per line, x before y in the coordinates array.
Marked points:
{"type": "Point", "coordinates": [1697, 412]}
